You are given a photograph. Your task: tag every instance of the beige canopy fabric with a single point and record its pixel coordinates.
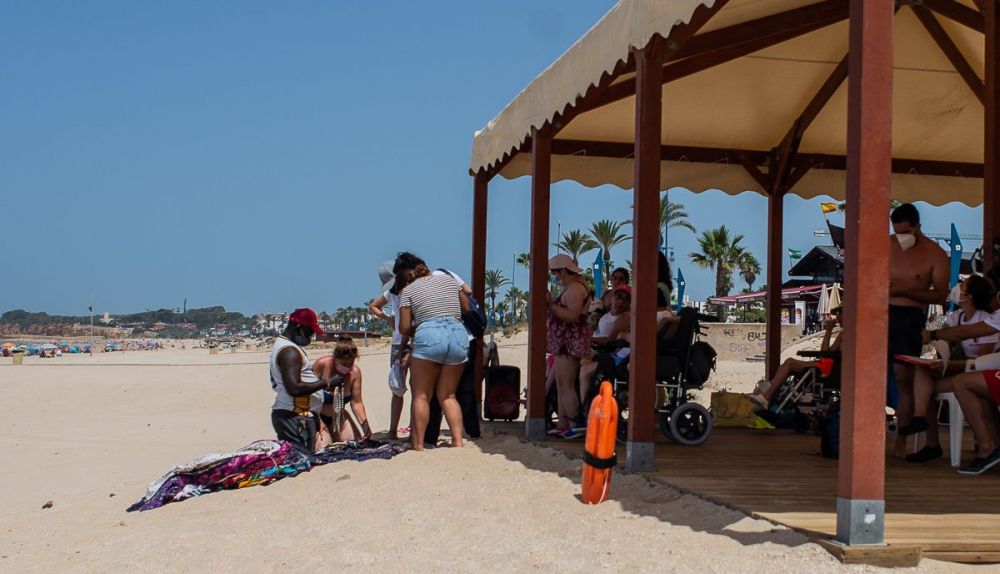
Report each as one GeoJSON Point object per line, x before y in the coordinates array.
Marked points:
{"type": "Point", "coordinates": [749, 103]}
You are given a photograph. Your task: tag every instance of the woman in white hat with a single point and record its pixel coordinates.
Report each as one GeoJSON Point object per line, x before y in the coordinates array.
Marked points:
{"type": "Point", "coordinates": [568, 336]}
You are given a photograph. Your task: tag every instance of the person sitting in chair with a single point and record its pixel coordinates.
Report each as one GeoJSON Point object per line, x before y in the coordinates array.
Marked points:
{"type": "Point", "coordinates": [974, 297]}
{"type": "Point", "coordinates": [793, 366]}
{"type": "Point", "coordinates": [611, 326]}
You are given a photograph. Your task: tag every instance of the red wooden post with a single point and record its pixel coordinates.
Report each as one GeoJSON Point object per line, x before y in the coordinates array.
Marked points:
{"type": "Point", "coordinates": [480, 206]}
{"type": "Point", "coordinates": [991, 147]}
{"type": "Point", "coordinates": [861, 472]}
{"type": "Point", "coordinates": [775, 225]}
{"type": "Point", "coordinates": [645, 218]}
{"type": "Point", "coordinates": [538, 285]}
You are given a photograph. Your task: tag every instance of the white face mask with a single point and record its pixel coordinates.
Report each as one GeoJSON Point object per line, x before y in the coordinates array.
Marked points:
{"type": "Point", "coordinates": [906, 240]}
{"type": "Point", "coordinates": [955, 295]}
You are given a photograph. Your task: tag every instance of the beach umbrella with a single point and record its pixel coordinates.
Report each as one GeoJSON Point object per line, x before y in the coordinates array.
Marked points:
{"type": "Point", "coordinates": [835, 296]}
{"type": "Point", "coordinates": [7, 345]}
{"type": "Point", "coordinates": [48, 347]}
{"type": "Point", "coordinates": [823, 306]}
{"type": "Point", "coordinates": [63, 343]}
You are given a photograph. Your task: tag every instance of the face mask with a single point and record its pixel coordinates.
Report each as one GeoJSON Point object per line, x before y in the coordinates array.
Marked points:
{"type": "Point", "coordinates": [955, 295]}
{"type": "Point", "coordinates": [343, 370]}
{"type": "Point", "coordinates": [906, 240]}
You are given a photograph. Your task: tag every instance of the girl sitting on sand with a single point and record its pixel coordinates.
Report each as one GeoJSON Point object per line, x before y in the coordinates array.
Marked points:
{"type": "Point", "coordinates": [342, 367]}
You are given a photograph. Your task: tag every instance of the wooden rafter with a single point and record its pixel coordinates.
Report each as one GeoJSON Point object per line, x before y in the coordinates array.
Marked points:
{"type": "Point", "coordinates": [951, 51]}
{"type": "Point", "coordinates": [759, 158]}
{"type": "Point", "coordinates": [789, 145]}
{"type": "Point", "coordinates": [958, 12]}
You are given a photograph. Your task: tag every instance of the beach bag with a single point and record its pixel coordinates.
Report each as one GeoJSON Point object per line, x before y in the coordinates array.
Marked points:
{"type": "Point", "coordinates": [475, 318]}
{"type": "Point", "coordinates": [701, 363]}
{"type": "Point", "coordinates": [829, 432]}
{"type": "Point", "coordinates": [732, 410]}
{"type": "Point", "coordinates": [397, 379]}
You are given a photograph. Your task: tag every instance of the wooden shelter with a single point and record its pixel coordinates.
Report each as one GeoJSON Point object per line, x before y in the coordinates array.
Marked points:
{"type": "Point", "coordinates": [853, 99]}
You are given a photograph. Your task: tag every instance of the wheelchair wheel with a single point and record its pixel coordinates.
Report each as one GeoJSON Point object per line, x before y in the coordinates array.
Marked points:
{"type": "Point", "coordinates": [622, 417]}
{"type": "Point", "coordinates": [690, 424]}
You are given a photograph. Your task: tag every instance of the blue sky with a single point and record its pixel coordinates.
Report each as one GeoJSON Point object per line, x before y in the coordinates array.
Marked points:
{"type": "Point", "coordinates": [266, 156]}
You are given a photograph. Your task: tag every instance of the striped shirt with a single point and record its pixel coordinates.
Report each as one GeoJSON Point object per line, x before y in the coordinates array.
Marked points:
{"type": "Point", "coordinates": [430, 297]}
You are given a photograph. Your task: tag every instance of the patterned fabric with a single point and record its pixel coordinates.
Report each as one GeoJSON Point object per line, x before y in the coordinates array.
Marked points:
{"type": "Point", "coordinates": [571, 339]}
{"type": "Point", "coordinates": [358, 451]}
{"type": "Point", "coordinates": [259, 463]}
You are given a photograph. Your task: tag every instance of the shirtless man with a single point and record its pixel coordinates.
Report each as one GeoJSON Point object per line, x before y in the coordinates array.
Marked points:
{"type": "Point", "coordinates": [918, 277]}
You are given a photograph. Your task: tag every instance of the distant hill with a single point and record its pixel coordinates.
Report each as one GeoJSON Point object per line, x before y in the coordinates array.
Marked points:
{"type": "Point", "coordinates": [204, 318]}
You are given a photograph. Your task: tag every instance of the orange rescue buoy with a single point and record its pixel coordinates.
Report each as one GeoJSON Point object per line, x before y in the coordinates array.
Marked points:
{"type": "Point", "coordinates": [599, 455]}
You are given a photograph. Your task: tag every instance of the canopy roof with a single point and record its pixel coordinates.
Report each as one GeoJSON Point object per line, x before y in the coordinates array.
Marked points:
{"type": "Point", "coordinates": [757, 78]}
{"type": "Point", "coordinates": [789, 294]}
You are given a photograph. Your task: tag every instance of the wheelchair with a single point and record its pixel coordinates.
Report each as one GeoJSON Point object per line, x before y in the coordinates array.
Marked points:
{"type": "Point", "coordinates": [805, 398]}
{"type": "Point", "coordinates": [683, 364]}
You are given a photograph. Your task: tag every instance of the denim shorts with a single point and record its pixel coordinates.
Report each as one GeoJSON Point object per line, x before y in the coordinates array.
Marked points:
{"type": "Point", "coordinates": [442, 340]}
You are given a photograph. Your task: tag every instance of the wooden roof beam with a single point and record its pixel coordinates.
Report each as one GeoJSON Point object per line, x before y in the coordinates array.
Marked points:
{"type": "Point", "coordinates": [954, 11]}
{"type": "Point", "coordinates": [696, 154]}
{"type": "Point", "coordinates": [951, 51]}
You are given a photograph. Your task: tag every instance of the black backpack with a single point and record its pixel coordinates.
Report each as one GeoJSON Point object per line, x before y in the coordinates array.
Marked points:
{"type": "Point", "coordinates": [475, 318]}
{"type": "Point", "coordinates": [701, 363]}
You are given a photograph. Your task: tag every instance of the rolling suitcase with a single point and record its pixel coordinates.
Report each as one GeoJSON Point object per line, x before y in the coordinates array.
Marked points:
{"type": "Point", "coordinates": [502, 399]}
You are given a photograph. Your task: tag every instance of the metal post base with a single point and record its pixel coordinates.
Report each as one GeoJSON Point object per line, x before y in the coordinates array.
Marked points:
{"type": "Point", "coordinates": [534, 429]}
{"type": "Point", "coordinates": [638, 456]}
{"type": "Point", "coordinates": [860, 521]}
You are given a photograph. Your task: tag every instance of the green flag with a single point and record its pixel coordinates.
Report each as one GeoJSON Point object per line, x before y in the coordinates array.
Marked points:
{"type": "Point", "coordinates": [794, 254]}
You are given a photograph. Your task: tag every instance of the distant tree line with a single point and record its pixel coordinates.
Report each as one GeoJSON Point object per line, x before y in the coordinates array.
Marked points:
{"type": "Point", "coordinates": [204, 318]}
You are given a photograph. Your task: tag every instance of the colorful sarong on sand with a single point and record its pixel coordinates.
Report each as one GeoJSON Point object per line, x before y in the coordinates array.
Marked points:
{"type": "Point", "coordinates": [257, 464]}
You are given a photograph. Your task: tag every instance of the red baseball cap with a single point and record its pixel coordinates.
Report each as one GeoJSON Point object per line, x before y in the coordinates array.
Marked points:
{"type": "Point", "coordinates": [307, 318]}
{"type": "Point", "coordinates": [624, 289]}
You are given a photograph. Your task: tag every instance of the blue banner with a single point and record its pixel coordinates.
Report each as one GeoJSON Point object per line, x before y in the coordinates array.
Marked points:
{"type": "Point", "coordinates": [681, 284]}
{"type": "Point", "coordinates": [956, 258]}
{"type": "Point", "coordinates": [599, 274]}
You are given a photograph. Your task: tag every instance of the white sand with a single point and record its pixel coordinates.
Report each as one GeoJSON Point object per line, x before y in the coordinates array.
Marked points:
{"type": "Point", "coordinates": [90, 433]}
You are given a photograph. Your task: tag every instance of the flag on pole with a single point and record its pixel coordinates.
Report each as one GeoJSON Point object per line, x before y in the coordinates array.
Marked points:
{"type": "Point", "coordinates": [794, 254]}
{"type": "Point", "coordinates": [828, 207]}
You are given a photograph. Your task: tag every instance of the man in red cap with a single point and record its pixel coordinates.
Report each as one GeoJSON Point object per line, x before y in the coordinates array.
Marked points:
{"type": "Point", "coordinates": [299, 392]}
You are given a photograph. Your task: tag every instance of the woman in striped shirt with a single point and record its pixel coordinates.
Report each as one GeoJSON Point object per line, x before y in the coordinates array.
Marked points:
{"type": "Point", "coordinates": [430, 311]}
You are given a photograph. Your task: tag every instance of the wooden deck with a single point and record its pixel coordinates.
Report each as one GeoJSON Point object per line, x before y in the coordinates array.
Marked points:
{"type": "Point", "coordinates": [779, 476]}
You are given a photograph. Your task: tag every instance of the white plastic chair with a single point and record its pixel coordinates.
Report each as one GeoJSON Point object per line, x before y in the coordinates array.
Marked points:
{"type": "Point", "coordinates": [956, 424]}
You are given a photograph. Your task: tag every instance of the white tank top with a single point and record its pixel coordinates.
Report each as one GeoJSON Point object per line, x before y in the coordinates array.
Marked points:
{"type": "Point", "coordinates": [605, 324]}
{"type": "Point", "coordinates": [283, 400]}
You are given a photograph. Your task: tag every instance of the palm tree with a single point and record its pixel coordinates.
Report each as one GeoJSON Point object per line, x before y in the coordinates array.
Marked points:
{"type": "Point", "coordinates": [524, 260]}
{"type": "Point", "coordinates": [749, 267]}
{"type": "Point", "coordinates": [575, 243]}
{"type": "Point", "coordinates": [607, 234]}
{"type": "Point", "coordinates": [516, 300]}
{"type": "Point", "coordinates": [673, 215]}
{"type": "Point", "coordinates": [494, 281]}
{"type": "Point", "coordinates": [721, 253]}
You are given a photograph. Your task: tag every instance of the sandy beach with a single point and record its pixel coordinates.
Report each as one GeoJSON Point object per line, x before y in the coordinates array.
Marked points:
{"type": "Point", "coordinates": [90, 433]}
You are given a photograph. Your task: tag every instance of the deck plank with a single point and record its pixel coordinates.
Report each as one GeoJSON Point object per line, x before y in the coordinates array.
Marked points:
{"type": "Point", "coordinates": [778, 476]}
